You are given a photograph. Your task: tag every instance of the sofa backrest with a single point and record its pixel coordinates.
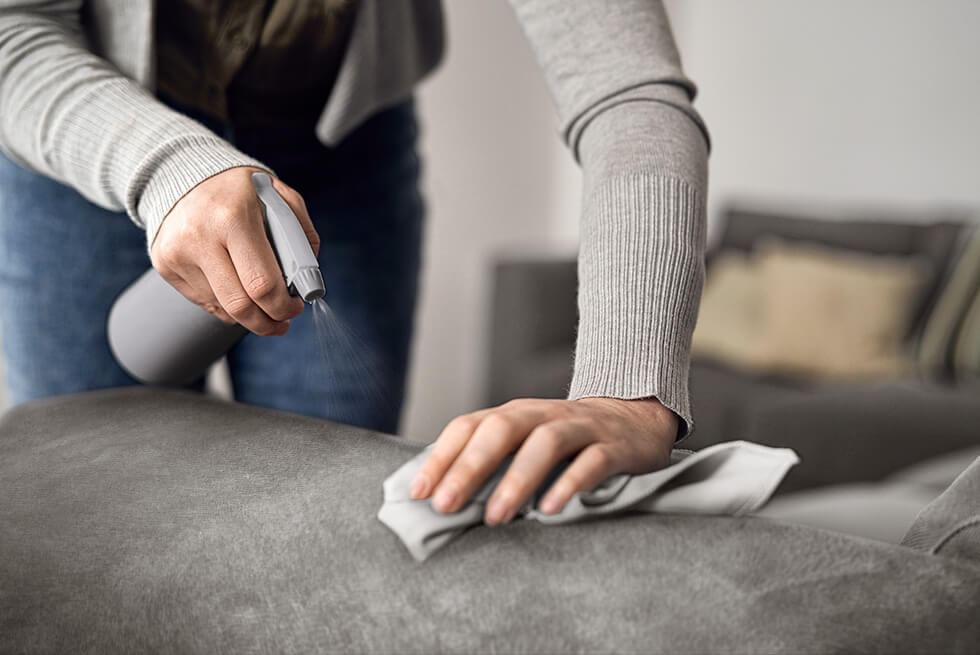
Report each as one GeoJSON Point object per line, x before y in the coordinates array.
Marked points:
{"type": "Point", "coordinates": [533, 318]}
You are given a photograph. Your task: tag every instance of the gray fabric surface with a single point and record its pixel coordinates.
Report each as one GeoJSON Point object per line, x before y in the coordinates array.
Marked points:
{"type": "Point", "coordinates": [950, 525]}
{"type": "Point", "coordinates": [624, 107]}
{"type": "Point", "coordinates": [937, 473]}
{"type": "Point", "coordinates": [884, 512]}
{"type": "Point", "coordinates": [843, 433]}
{"type": "Point", "coordinates": [136, 521]}
{"type": "Point", "coordinates": [731, 479]}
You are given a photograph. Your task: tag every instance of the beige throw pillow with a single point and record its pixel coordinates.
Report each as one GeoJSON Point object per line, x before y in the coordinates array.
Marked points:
{"type": "Point", "coordinates": [831, 313]}
{"type": "Point", "coordinates": [808, 310]}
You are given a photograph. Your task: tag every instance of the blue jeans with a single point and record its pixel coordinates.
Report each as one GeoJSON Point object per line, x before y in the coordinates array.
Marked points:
{"type": "Point", "coordinates": [63, 261]}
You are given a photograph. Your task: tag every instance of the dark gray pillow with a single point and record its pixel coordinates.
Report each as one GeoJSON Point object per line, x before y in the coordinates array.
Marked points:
{"type": "Point", "coordinates": [142, 521]}
{"type": "Point", "coordinates": [950, 525]}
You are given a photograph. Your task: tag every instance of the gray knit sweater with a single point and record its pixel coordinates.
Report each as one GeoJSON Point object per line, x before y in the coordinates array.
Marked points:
{"type": "Point", "coordinates": [76, 105]}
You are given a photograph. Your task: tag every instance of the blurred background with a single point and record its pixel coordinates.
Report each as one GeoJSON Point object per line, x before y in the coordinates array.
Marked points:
{"type": "Point", "coordinates": [845, 172]}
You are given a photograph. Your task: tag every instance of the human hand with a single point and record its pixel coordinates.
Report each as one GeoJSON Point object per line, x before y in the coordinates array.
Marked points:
{"type": "Point", "coordinates": [609, 436]}
{"type": "Point", "coordinates": [213, 248]}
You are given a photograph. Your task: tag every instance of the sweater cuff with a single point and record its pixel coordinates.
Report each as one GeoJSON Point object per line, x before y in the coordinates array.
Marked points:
{"type": "Point", "coordinates": [191, 159]}
{"type": "Point", "coordinates": [641, 270]}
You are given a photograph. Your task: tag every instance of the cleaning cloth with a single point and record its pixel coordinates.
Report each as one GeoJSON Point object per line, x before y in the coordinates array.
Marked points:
{"type": "Point", "coordinates": [732, 478]}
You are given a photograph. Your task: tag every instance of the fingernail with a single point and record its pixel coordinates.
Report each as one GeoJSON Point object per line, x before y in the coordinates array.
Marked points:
{"type": "Point", "coordinates": [420, 487]}
{"type": "Point", "coordinates": [444, 499]}
{"type": "Point", "coordinates": [495, 512]}
{"type": "Point", "coordinates": [550, 504]}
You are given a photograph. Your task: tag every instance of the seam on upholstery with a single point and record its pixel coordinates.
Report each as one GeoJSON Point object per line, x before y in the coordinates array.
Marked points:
{"type": "Point", "coordinates": [949, 536]}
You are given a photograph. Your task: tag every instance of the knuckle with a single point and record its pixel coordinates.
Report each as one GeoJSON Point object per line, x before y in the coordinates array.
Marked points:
{"type": "Point", "coordinates": [166, 258]}
{"type": "Point", "coordinates": [498, 424]}
{"type": "Point", "coordinates": [520, 403]}
{"type": "Point", "coordinates": [517, 483]}
{"type": "Point", "coordinates": [167, 270]}
{"type": "Point", "coordinates": [464, 423]}
{"type": "Point", "coordinates": [260, 285]}
{"type": "Point", "coordinates": [437, 461]}
{"type": "Point", "coordinates": [603, 458]}
{"type": "Point", "coordinates": [549, 438]}
{"type": "Point", "coordinates": [239, 306]}
{"type": "Point", "coordinates": [469, 467]}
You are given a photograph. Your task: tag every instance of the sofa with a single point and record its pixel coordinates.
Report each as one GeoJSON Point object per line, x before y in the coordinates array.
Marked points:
{"type": "Point", "coordinates": [847, 432]}
{"type": "Point", "coordinates": [141, 520]}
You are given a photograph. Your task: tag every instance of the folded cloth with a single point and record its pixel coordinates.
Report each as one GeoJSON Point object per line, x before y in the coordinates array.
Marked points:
{"type": "Point", "coordinates": [732, 478]}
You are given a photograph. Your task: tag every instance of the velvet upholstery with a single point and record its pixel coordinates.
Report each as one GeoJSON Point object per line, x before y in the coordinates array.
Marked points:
{"type": "Point", "coordinates": [950, 525]}
{"type": "Point", "coordinates": [142, 520]}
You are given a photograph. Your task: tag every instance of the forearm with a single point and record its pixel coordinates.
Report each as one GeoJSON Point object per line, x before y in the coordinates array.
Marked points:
{"type": "Point", "coordinates": [70, 115]}
{"type": "Point", "coordinates": [641, 261]}
{"type": "Point", "coordinates": [626, 114]}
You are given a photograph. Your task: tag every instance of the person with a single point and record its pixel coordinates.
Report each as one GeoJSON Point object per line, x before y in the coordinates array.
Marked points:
{"type": "Point", "coordinates": [160, 111]}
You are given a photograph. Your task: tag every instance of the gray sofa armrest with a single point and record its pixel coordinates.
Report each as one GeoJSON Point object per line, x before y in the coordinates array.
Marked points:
{"type": "Point", "coordinates": [142, 521]}
{"type": "Point", "coordinates": [950, 525]}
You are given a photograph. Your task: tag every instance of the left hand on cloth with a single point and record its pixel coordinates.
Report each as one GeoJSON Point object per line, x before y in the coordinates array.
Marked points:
{"type": "Point", "coordinates": [606, 435]}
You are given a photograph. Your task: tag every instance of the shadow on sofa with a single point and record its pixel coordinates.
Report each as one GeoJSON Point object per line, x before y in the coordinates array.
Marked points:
{"type": "Point", "coordinates": [845, 432]}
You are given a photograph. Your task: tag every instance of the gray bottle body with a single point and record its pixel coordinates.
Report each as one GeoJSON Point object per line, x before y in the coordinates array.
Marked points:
{"type": "Point", "coordinates": [159, 337]}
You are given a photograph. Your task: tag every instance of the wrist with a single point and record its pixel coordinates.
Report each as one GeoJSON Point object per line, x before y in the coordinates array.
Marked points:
{"type": "Point", "coordinates": [195, 160]}
{"type": "Point", "coordinates": [654, 416]}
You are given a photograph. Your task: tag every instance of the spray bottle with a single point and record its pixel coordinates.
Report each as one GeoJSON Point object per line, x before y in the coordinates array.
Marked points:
{"type": "Point", "coordinates": [160, 337]}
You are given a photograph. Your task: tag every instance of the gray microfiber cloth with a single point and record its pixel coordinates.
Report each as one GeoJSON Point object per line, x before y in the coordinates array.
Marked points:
{"type": "Point", "coordinates": [733, 479]}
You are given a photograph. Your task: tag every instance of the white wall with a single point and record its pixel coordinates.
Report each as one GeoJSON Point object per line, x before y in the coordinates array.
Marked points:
{"type": "Point", "coordinates": [838, 100]}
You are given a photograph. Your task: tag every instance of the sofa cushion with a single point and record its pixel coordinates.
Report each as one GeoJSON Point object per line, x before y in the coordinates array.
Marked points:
{"type": "Point", "coordinates": [937, 473]}
{"type": "Point", "coordinates": [883, 511]}
{"type": "Point", "coordinates": [141, 521]}
{"type": "Point", "coordinates": [843, 432]}
{"type": "Point", "coordinates": [950, 525]}
{"type": "Point", "coordinates": [875, 511]}
{"type": "Point", "coordinates": [725, 399]}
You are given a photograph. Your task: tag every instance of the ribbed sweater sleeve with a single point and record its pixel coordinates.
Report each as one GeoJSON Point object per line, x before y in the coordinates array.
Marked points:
{"type": "Point", "coordinates": [68, 114]}
{"type": "Point", "coordinates": [625, 110]}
